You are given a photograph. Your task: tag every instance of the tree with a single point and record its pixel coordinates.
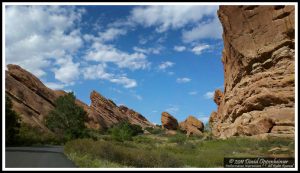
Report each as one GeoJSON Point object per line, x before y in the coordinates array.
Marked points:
{"type": "Point", "coordinates": [12, 123]}
{"type": "Point", "coordinates": [67, 119]}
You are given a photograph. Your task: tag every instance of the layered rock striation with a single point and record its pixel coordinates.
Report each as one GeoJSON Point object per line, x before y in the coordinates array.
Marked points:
{"type": "Point", "coordinates": [33, 101]}
{"type": "Point", "coordinates": [259, 72]}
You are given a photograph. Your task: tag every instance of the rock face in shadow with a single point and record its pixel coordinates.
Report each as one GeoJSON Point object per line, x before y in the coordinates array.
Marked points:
{"type": "Point", "coordinates": [192, 126]}
{"type": "Point", "coordinates": [33, 101]}
{"type": "Point", "coordinates": [168, 121]}
{"type": "Point", "coordinates": [259, 72]}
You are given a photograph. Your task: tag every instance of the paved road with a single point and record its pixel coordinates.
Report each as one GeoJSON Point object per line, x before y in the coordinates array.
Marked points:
{"type": "Point", "coordinates": [37, 157]}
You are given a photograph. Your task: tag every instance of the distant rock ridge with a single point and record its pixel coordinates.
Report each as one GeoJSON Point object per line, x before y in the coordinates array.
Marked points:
{"type": "Point", "coordinates": [33, 101]}
{"type": "Point", "coordinates": [259, 72]}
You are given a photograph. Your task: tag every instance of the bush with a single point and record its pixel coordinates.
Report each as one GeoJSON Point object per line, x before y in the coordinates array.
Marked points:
{"type": "Point", "coordinates": [12, 123]}
{"type": "Point", "coordinates": [155, 131]}
{"type": "Point", "coordinates": [123, 155]}
{"type": "Point", "coordinates": [124, 131]}
{"type": "Point", "coordinates": [179, 138]}
{"type": "Point", "coordinates": [67, 119]}
{"type": "Point", "coordinates": [35, 136]}
{"type": "Point", "coordinates": [142, 139]}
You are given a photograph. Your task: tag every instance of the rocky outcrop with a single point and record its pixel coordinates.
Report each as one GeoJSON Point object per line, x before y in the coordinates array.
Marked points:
{"type": "Point", "coordinates": [33, 101]}
{"type": "Point", "coordinates": [192, 126]}
{"type": "Point", "coordinates": [168, 121]}
{"type": "Point", "coordinates": [135, 117]}
{"type": "Point", "coordinates": [218, 96]}
{"type": "Point", "coordinates": [107, 113]}
{"type": "Point", "coordinates": [30, 97]}
{"type": "Point", "coordinates": [259, 72]}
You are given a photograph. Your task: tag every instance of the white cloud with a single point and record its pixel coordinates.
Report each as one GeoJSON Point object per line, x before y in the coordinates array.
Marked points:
{"type": "Point", "coordinates": [200, 48]}
{"type": "Point", "coordinates": [179, 48]}
{"type": "Point", "coordinates": [107, 53]}
{"type": "Point", "coordinates": [209, 95]}
{"type": "Point", "coordinates": [172, 109]}
{"type": "Point", "coordinates": [111, 34]}
{"type": "Point", "coordinates": [37, 36]}
{"type": "Point", "coordinates": [148, 50]}
{"type": "Point", "coordinates": [99, 72]}
{"type": "Point", "coordinates": [204, 118]}
{"type": "Point", "coordinates": [165, 65]}
{"type": "Point", "coordinates": [54, 86]}
{"type": "Point", "coordinates": [183, 80]}
{"type": "Point", "coordinates": [193, 93]}
{"type": "Point", "coordinates": [208, 29]}
{"type": "Point", "coordinates": [68, 71]}
{"type": "Point", "coordinates": [175, 16]}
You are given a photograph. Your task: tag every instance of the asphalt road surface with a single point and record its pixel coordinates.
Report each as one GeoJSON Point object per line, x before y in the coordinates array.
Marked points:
{"type": "Point", "coordinates": [37, 157]}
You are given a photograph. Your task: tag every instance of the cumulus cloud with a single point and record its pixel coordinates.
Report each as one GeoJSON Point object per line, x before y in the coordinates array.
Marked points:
{"type": "Point", "coordinates": [111, 34]}
{"type": "Point", "coordinates": [67, 71]}
{"type": "Point", "coordinates": [150, 50]}
{"type": "Point", "coordinates": [174, 17]}
{"type": "Point", "coordinates": [99, 72]}
{"type": "Point", "coordinates": [207, 29]}
{"type": "Point", "coordinates": [183, 80]}
{"type": "Point", "coordinates": [165, 65]}
{"type": "Point", "coordinates": [107, 53]}
{"type": "Point", "coordinates": [209, 95]}
{"type": "Point", "coordinates": [37, 36]}
{"type": "Point", "coordinates": [200, 48]}
{"type": "Point", "coordinates": [179, 48]}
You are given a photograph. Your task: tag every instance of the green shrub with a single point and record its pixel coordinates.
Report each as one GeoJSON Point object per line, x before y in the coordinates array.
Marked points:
{"type": "Point", "coordinates": [12, 123]}
{"type": "Point", "coordinates": [35, 136]}
{"type": "Point", "coordinates": [67, 119]}
{"type": "Point", "coordinates": [156, 130]}
{"type": "Point", "coordinates": [179, 138]}
{"type": "Point", "coordinates": [124, 131]}
{"type": "Point", "coordinates": [142, 139]}
{"type": "Point", "coordinates": [121, 154]}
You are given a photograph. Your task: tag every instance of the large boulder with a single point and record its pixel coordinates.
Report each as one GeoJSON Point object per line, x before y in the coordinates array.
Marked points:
{"type": "Point", "coordinates": [259, 71]}
{"type": "Point", "coordinates": [168, 121]}
{"type": "Point", "coordinates": [192, 126]}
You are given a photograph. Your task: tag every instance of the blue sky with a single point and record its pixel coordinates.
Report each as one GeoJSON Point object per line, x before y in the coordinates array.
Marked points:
{"type": "Point", "coordinates": [149, 58]}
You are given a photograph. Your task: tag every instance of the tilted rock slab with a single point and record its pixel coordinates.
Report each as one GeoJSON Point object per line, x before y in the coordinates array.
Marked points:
{"type": "Point", "coordinates": [33, 101]}
{"type": "Point", "coordinates": [168, 121]}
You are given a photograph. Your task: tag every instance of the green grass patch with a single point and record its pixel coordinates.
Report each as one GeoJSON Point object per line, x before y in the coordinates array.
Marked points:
{"type": "Point", "coordinates": [173, 151]}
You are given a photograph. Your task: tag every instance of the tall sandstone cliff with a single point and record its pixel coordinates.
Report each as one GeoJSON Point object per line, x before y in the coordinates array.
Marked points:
{"type": "Point", "coordinates": [259, 71]}
{"type": "Point", "coordinates": [33, 101]}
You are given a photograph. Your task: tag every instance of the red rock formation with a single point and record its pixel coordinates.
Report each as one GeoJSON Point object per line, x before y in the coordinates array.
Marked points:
{"type": "Point", "coordinates": [218, 96]}
{"type": "Point", "coordinates": [168, 121]}
{"type": "Point", "coordinates": [192, 126]}
{"type": "Point", "coordinates": [135, 117]}
{"type": "Point", "coordinates": [33, 101]}
{"type": "Point", "coordinates": [259, 71]}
